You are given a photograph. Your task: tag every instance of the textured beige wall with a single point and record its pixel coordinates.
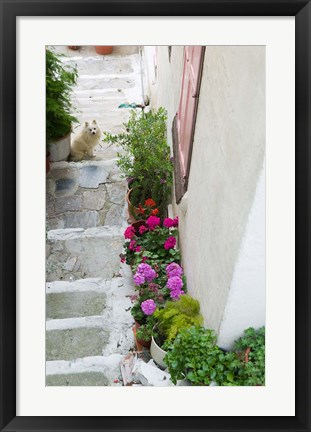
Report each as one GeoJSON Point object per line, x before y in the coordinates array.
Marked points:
{"type": "Point", "coordinates": [227, 158]}
{"type": "Point", "coordinates": [165, 91]}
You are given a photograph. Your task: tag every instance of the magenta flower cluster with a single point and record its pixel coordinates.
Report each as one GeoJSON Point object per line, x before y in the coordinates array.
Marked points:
{"type": "Point", "coordinates": [129, 233]}
{"type": "Point", "coordinates": [148, 307]}
{"type": "Point", "coordinates": [170, 243]}
{"type": "Point", "coordinates": [152, 222]}
{"type": "Point", "coordinates": [175, 284]}
{"type": "Point", "coordinates": [174, 269]}
{"type": "Point", "coordinates": [170, 223]}
{"type": "Point", "coordinates": [142, 229]}
{"type": "Point", "coordinates": [144, 273]}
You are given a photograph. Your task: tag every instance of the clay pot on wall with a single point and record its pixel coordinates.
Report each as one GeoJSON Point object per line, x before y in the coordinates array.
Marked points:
{"type": "Point", "coordinates": [103, 49]}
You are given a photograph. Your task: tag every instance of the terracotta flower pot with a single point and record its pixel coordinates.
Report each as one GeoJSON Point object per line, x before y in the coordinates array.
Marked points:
{"type": "Point", "coordinates": [137, 225]}
{"type": "Point", "coordinates": [133, 211]}
{"type": "Point", "coordinates": [103, 49]}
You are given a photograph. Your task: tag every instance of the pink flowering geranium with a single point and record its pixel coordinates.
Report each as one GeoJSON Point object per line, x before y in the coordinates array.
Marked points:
{"type": "Point", "coordinates": [170, 243]}
{"type": "Point", "coordinates": [132, 245]}
{"type": "Point", "coordinates": [176, 293]}
{"type": "Point", "coordinates": [139, 279]}
{"type": "Point", "coordinates": [152, 222]}
{"type": "Point", "coordinates": [147, 271]}
{"type": "Point", "coordinates": [129, 233]}
{"type": "Point", "coordinates": [148, 307]}
{"type": "Point", "coordinates": [168, 223]}
{"type": "Point", "coordinates": [173, 269]}
{"type": "Point", "coordinates": [142, 229]}
{"type": "Point", "coordinates": [138, 249]}
{"type": "Point", "coordinates": [175, 283]}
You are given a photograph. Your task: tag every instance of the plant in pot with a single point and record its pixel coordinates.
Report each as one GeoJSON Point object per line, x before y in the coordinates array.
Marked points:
{"type": "Point", "coordinates": [148, 241]}
{"type": "Point", "coordinates": [194, 356]}
{"type": "Point", "coordinates": [145, 159]}
{"type": "Point", "coordinates": [142, 312]}
{"type": "Point", "coordinates": [60, 79]}
{"type": "Point", "coordinates": [250, 350]}
{"type": "Point", "coordinates": [170, 320]}
{"type": "Point", "coordinates": [145, 332]}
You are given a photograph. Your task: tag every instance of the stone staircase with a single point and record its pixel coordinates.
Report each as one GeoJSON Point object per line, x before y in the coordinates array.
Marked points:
{"type": "Point", "coordinates": [88, 291]}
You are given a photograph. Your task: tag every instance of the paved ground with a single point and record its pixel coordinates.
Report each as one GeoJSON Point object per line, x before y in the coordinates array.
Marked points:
{"type": "Point", "coordinates": [88, 328]}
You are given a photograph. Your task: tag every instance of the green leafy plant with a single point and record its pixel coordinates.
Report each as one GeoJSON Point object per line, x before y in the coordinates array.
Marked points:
{"type": "Point", "coordinates": [147, 330]}
{"type": "Point", "coordinates": [195, 356]}
{"type": "Point", "coordinates": [175, 316]}
{"type": "Point", "coordinates": [60, 80]}
{"type": "Point", "coordinates": [146, 157]}
{"type": "Point", "coordinates": [251, 351]}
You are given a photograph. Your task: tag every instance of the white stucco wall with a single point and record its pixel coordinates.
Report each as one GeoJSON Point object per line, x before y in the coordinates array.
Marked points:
{"type": "Point", "coordinates": [165, 89]}
{"type": "Point", "coordinates": [246, 302]}
{"type": "Point", "coordinates": [227, 158]}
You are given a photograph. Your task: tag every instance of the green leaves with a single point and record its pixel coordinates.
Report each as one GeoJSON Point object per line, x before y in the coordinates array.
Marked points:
{"type": "Point", "coordinates": [253, 365]}
{"type": "Point", "coordinates": [146, 156]}
{"type": "Point", "coordinates": [60, 80]}
{"type": "Point", "coordinates": [195, 355]}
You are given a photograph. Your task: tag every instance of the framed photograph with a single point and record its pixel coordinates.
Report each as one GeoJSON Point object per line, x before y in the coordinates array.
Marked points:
{"type": "Point", "coordinates": [234, 81]}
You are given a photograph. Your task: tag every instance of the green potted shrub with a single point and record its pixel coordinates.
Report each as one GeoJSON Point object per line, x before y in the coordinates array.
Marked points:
{"type": "Point", "coordinates": [145, 332]}
{"type": "Point", "coordinates": [145, 160]}
{"type": "Point", "coordinates": [250, 349]}
{"type": "Point", "coordinates": [194, 356]}
{"type": "Point", "coordinates": [60, 80]}
{"type": "Point", "coordinates": [170, 320]}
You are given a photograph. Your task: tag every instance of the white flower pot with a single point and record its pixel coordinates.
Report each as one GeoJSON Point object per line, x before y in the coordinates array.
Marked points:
{"type": "Point", "coordinates": [157, 354]}
{"type": "Point", "coordinates": [60, 149]}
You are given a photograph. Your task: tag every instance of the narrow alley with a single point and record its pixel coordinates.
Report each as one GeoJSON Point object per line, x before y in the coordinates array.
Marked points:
{"type": "Point", "coordinates": [88, 291]}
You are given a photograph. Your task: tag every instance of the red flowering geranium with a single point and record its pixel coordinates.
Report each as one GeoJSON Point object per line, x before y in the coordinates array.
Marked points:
{"type": "Point", "coordinates": [150, 202]}
{"type": "Point", "coordinates": [148, 209]}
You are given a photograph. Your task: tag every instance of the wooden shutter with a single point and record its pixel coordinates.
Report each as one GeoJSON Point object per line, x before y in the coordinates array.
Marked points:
{"type": "Point", "coordinates": [186, 114]}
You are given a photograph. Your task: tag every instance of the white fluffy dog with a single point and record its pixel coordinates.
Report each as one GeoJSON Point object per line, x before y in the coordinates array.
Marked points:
{"type": "Point", "coordinates": [83, 145]}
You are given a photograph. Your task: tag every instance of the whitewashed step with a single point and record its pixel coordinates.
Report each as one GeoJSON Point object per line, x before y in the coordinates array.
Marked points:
{"type": "Point", "coordinates": [72, 338]}
{"type": "Point", "coordinates": [78, 253]}
{"type": "Point", "coordinates": [104, 334]}
{"type": "Point", "coordinates": [80, 298]}
{"type": "Point", "coordinates": [92, 371]}
{"type": "Point", "coordinates": [88, 379]}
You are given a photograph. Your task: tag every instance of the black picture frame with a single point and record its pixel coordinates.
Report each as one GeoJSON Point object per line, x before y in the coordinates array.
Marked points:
{"type": "Point", "coordinates": [301, 9]}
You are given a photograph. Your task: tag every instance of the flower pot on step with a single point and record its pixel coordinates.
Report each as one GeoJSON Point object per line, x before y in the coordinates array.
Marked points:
{"type": "Point", "coordinates": [60, 149]}
{"type": "Point", "coordinates": [133, 211]}
{"type": "Point", "coordinates": [142, 342]}
{"type": "Point", "coordinates": [103, 49]}
{"type": "Point", "coordinates": [158, 354]}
